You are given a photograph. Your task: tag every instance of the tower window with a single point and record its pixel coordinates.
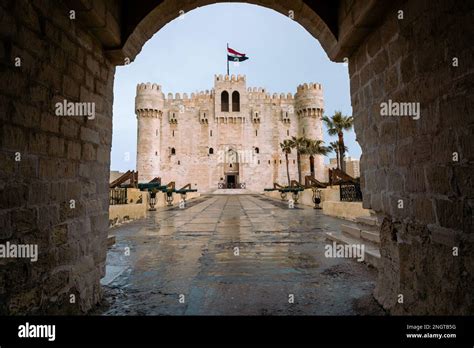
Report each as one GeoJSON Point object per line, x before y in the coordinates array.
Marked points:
{"type": "Point", "coordinates": [256, 132]}
{"type": "Point", "coordinates": [210, 132]}
{"type": "Point", "coordinates": [173, 151]}
{"type": "Point", "coordinates": [156, 133]}
{"type": "Point", "coordinates": [173, 132]}
{"type": "Point", "coordinates": [287, 132]}
{"type": "Point", "coordinates": [156, 153]}
{"type": "Point", "coordinates": [225, 101]}
{"type": "Point", "coordinates": [257, 150]}
{"type": "Point", "coordinates": [268, 161]}
{"type": "Point", "coordinates": [235, 101]}
{"type": "Point", "coordinates": [258, 161]}
{"type": "Point", "coordinates": [211, 151]}
{"type": "Point", "coordinates": [179, 162]}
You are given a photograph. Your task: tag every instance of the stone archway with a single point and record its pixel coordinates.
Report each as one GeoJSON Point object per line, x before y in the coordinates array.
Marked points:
{"type": "Point", "coordinates": [422, 187]}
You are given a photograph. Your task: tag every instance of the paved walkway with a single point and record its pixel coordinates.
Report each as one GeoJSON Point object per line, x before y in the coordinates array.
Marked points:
{"type": "Point", "coordinates": [192, 252]}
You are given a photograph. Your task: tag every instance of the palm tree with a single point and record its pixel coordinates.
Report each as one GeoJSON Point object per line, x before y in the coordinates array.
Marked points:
{"type": "Point", "coordinates": [286, 147]}
{"type": "Point", "coordinates": [337, 124]}
{"type": "Point", "coordinates": [316, 147]}
{"type": "Point", "coordinates": [334, 147]}
{"type": "Point", "coordinates": [313, 148]}
{"type": "Point", "coordinates": [299, 144]}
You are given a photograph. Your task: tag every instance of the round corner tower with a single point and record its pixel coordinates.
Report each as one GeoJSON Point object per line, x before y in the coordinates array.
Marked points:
{"type": "Point", "coordinates": [149, 106]}
{"type": "Point", "coordinates": [309, 106]}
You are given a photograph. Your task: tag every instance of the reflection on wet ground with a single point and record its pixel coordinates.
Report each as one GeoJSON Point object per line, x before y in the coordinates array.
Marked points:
{"type": "Point", "coordinates": [233, 255]}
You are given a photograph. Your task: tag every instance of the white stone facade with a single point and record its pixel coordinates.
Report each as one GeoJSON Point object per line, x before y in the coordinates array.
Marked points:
{"type": "Point", "coordinates": [203, 140]}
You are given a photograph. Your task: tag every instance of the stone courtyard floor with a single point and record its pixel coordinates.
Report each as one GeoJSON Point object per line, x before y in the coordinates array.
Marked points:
{"type": "Point", "coordinates": [191, 252]}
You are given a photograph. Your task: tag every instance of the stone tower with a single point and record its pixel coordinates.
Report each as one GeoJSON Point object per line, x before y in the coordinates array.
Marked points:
{"type": "Point", "coordinates": [149, 105]}
{"type": "Point", "coordinates": [309, 107]}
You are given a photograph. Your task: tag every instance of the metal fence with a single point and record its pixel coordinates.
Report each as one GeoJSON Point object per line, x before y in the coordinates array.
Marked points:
{"type": "Point", "coordinates": [350, 192]}
{"type": "Point", "coordinates": [118, 196]}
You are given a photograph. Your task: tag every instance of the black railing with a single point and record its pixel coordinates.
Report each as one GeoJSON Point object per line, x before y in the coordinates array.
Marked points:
{"type": "Point", "coordinates": [118, 196]}
{"type": "Point", "coordinates": [350, 192]}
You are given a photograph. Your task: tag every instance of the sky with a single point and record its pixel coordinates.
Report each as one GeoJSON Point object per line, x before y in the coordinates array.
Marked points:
{"type": "Point", "coordinates": [185, 54]}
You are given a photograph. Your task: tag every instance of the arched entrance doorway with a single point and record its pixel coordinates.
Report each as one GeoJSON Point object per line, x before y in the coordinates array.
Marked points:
{"type": "Point", "coordinates": [231, 169]}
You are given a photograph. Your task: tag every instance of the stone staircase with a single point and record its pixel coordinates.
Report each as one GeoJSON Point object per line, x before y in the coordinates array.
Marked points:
{"type": "Point", "coordinates": [366, 231]}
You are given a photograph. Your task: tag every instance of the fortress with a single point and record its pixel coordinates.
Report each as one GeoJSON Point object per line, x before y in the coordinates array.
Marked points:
{"type": "Point", "coordinates": [228, 137]}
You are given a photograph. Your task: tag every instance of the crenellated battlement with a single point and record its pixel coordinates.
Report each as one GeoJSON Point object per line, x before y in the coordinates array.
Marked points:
{"type": "Point", "coordinates": [197, 96]}
{"type": "Point", "coordinates": [231, 78]}
{"type": "Point", "coordinates": [260, 93]}
{"type": "Point", "coordinates": [148, 87]}
{"type": "Point", "coordinates": [309, 87]}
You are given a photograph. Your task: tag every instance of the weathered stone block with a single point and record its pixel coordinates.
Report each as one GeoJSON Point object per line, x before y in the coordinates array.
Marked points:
{"type": "Point", "coordinates": [449, 213]}
{"type": "Point", "coordinates": [23, 220]}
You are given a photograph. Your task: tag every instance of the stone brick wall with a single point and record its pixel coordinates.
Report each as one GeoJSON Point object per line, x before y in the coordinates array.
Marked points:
{"type": "Point", "coordinates": [62, 158]}
{"type": "Point", "coordinates": [411, 161]}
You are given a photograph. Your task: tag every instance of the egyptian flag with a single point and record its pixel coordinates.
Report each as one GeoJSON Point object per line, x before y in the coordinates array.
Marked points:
{"type": "Point", "coordinates": [234, 56]}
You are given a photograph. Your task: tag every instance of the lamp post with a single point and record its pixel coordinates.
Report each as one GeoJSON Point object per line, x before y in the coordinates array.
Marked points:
{"type": "Point", "coordinates": [316, 198]}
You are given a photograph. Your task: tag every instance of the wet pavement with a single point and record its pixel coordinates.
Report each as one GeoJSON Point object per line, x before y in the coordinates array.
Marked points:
{"type": "Point", "coordinates": [233, 255]}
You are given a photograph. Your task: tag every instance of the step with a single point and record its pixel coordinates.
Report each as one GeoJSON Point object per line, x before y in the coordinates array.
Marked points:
{"type": "Point", "coordinates": [110, 240]}
{"type": "Point", "coordinates": [359, 231]}
{"type": "Point", "coordinates": [372, 257]}
{"type": "Point", "coordinates": [373, 236]}
{"type": "Point", "coordinates": [351, 230]}
{"type": "Point", "coordinates": [371, 250]}
{"type": "Point", "coordinates": [367, 220]}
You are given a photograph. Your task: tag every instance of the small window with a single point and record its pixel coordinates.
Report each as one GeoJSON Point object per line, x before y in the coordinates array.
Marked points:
{"type": "Point", "coordinates": [257, 150]}
{"type": "Point", "coordinates": [274, 161]}
{"type": "Point", "coordinates": [303, 130]}
{"type": "Point", "coordinates": [287, 132]}
{"type": "Point", "coordinates": [211, 151]}
{"type": "Point", "coordinates": [256, 133]}
{"type": "Point", "coordinates": [210, 132]}
{"type": "Point", "coordinates": [173, 133]}
{"type": "Point", "coordinates": [258, 161]}
{"type": "Point", "coordinates": [280, 161]}
{"type": "Point", "coordinates": [156, 153]}
{"type": "Point", "coordinates": [179, 162]}
{"type": "Point", "coordinates": [156, 132]}
{"type": "Point", "coordinates": [293, 161]}
{"type": "Point", "coordinates": [173, 151]}
{"type": "Point", "coordinates": [268, 161]}
{"type": "Point", "coordinates": [231, 165]}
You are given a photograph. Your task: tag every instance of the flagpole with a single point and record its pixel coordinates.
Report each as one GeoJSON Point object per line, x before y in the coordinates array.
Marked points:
{"type": "Point", "coordinates": [227, 58]}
